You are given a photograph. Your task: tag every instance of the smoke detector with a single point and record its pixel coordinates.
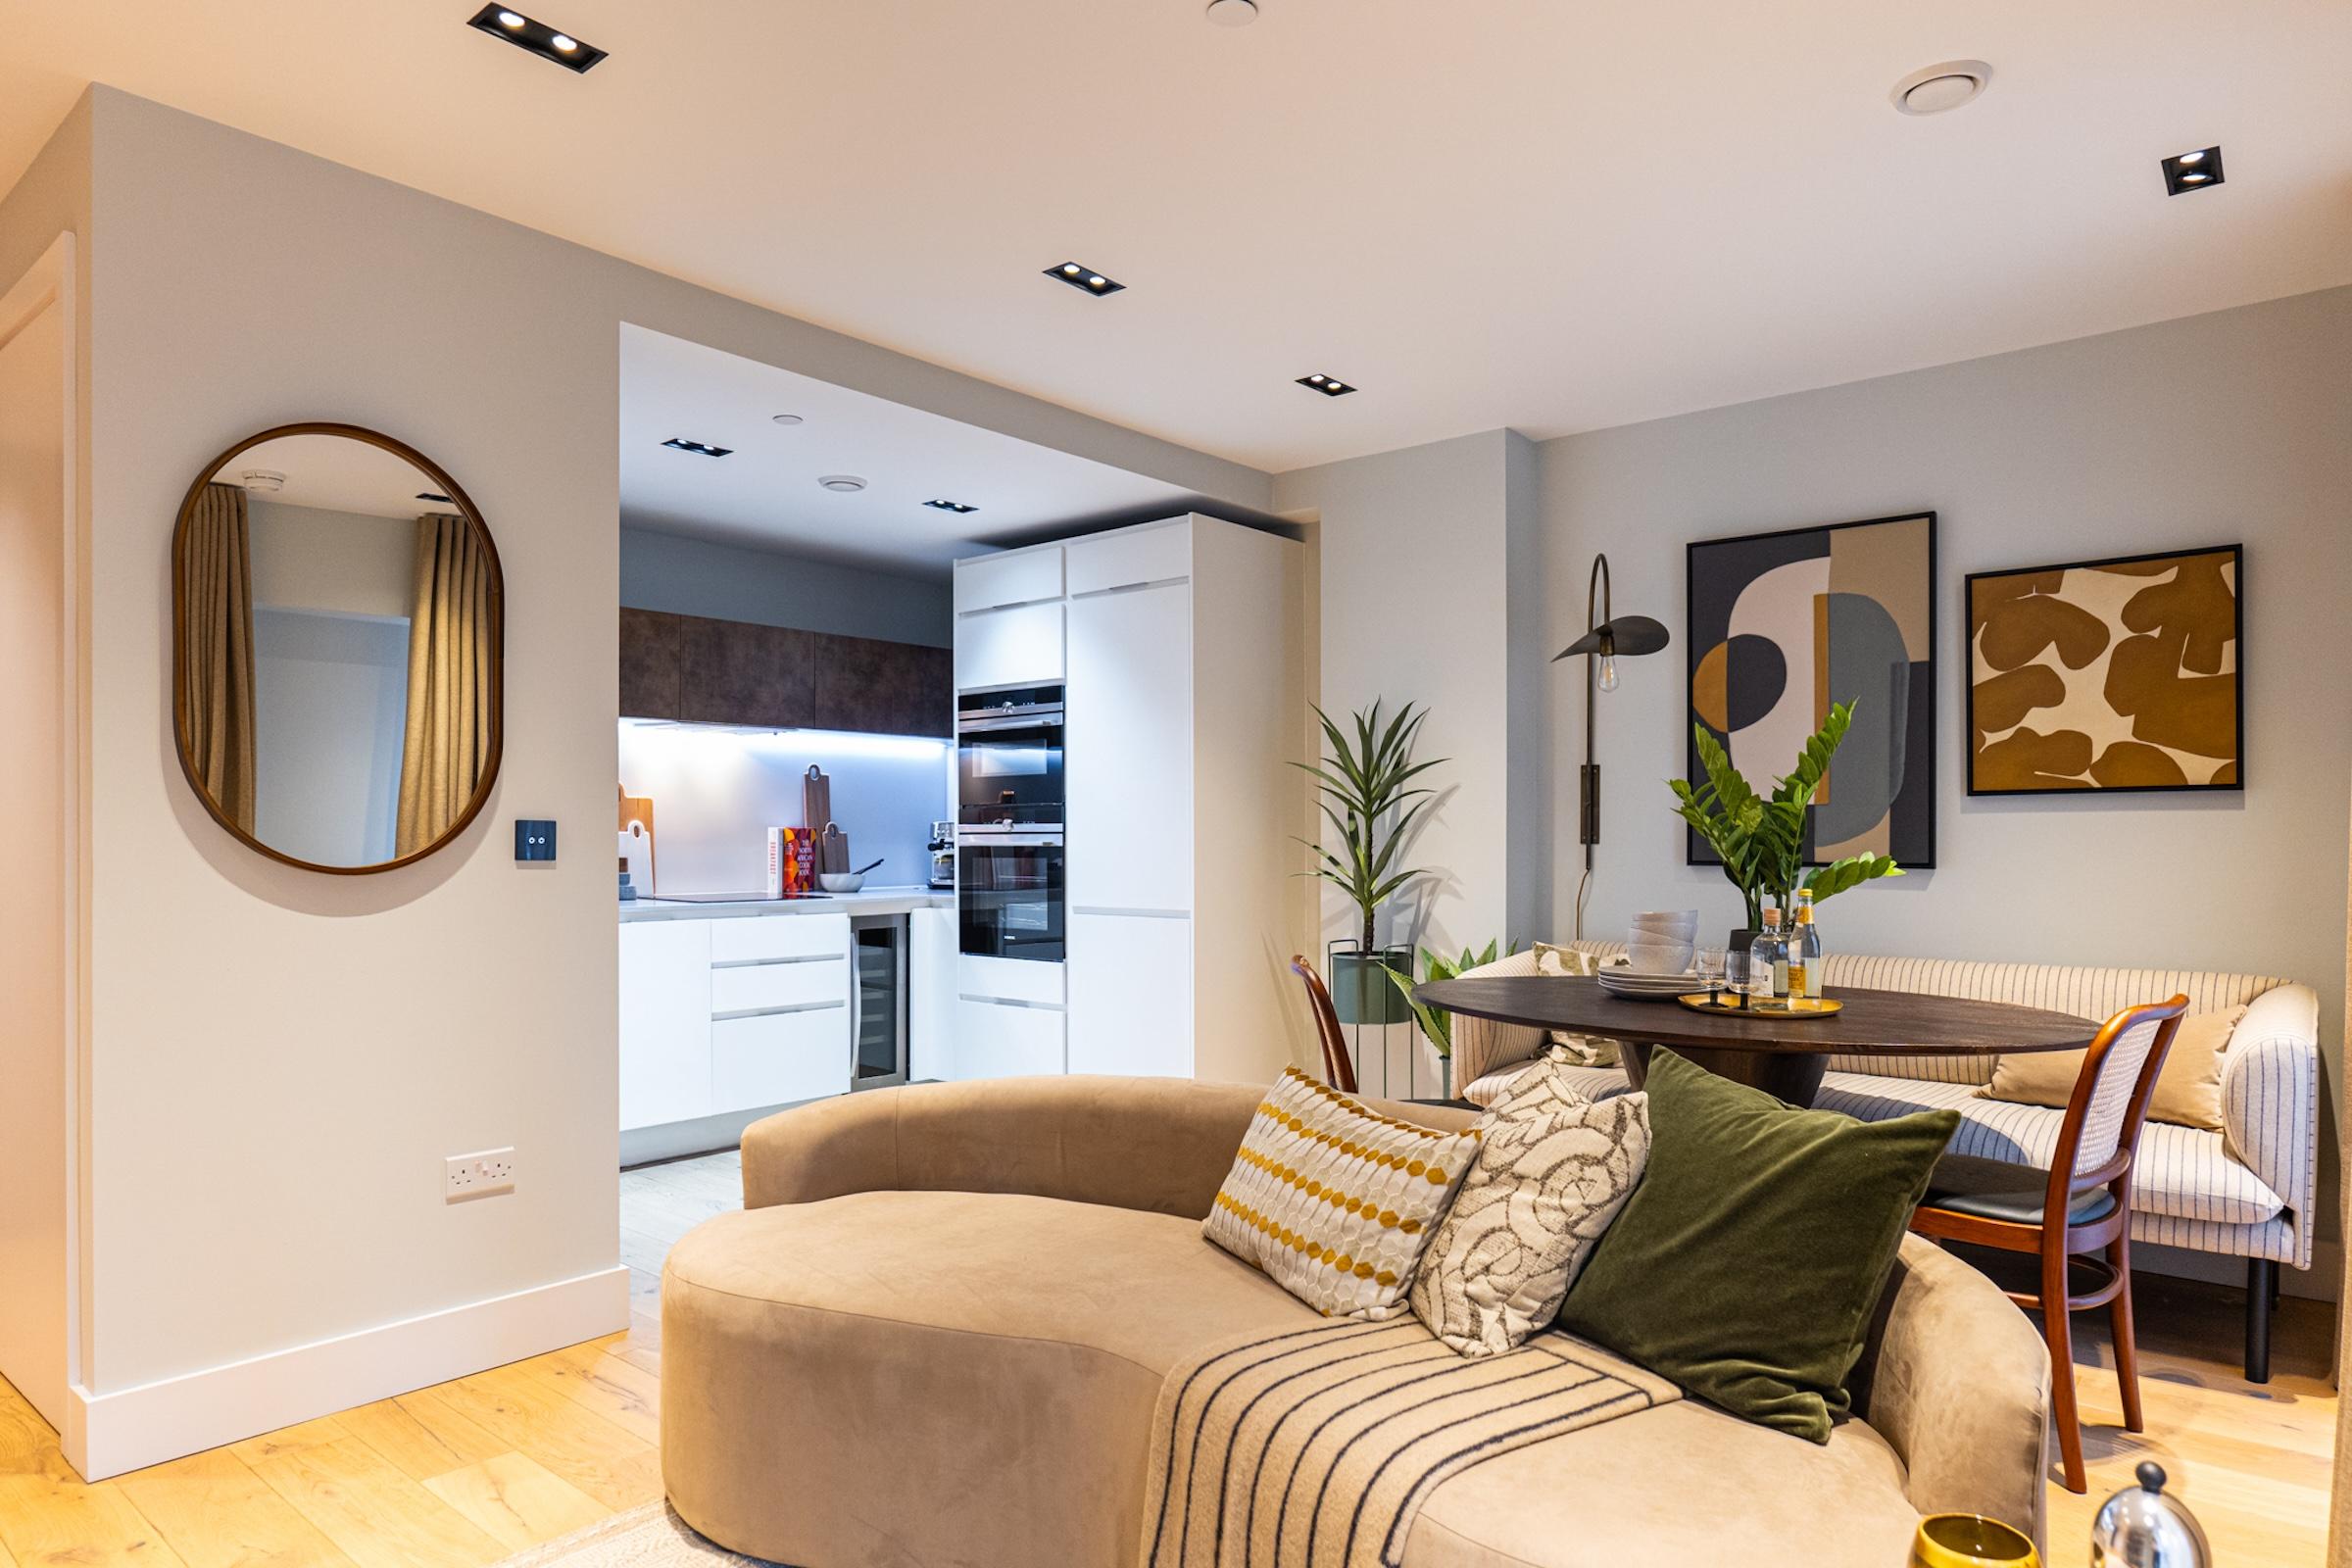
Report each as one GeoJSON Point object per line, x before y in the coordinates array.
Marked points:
{"type": "Point", "coordinates": [1232, 12]}
{"type": "Point", "coordinates": [842, 483]}
{"type": "Point", "coordinates": [263, 480]}
{"type": "Point", "coordinates": [1934, 89]}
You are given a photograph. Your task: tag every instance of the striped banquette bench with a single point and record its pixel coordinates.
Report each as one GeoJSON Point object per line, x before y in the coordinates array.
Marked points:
{"type": "Point", "coordinates": [2247, 1192]}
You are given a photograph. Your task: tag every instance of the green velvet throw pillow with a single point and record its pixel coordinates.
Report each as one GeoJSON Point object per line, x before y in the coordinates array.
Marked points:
{"type": "Point", "coordinates": [1748, 1264]}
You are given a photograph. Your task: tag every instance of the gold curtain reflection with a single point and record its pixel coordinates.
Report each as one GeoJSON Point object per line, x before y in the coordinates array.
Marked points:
{"type": "Point", "coordinates": [451, 646]}
{"type": "Point", "coordinates": [216, 650]}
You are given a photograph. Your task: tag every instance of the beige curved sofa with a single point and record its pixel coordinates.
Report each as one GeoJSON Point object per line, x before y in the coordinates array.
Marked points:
{"type": "Point", "coordinates": [934, 1337]}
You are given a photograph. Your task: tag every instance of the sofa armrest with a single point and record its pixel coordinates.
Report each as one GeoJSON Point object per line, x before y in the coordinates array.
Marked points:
{"type": "Point", "coordinates": [1482, 1046]}
{"type": "Point", "coordinates": [1957, 1381]}
{"type": "Point", "coordinates": [2270, 1100]}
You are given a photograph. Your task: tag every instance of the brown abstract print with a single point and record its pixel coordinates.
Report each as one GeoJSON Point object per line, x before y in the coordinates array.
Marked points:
{"type": "Point", "coordinates": [2118, 674]}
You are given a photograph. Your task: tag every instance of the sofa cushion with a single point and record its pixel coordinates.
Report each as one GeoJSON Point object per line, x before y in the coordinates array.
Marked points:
{"type": "Point", "coordinates": [1007, 1350]}
{"type": "Point", "coordinates": [2188, 1086]}
{"type": "Point", "coordinates": [1594, 1082]}
{"type": "Point", "coordinates": [2184, 1172]}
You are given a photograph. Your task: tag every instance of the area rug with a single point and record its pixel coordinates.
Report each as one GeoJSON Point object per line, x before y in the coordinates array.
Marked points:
{"type": "Point", "coordinates": [650, 1536]}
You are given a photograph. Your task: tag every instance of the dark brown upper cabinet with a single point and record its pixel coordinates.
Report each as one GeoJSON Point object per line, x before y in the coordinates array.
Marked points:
{"type": "Point", "coordinates": [703, 672]}
{"type": "Point", "coordinates": [884, 688]}
{"type": "Point", "coordinates": [649, 663]}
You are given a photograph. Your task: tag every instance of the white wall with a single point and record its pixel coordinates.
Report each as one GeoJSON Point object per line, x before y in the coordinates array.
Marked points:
{"type": "Point", "coordinates": [717, 792]}
{"type": "Point", "coordinates": [308, 557]}
{"type": "Point", "coordinates": [2231, 426]}
{"type": "Point", "coordinates": [771, 588]}
{"type": "Point", "coordinates": [280, 1061]}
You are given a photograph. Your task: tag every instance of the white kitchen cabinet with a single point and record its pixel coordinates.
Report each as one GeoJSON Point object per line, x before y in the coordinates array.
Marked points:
{"type": "Point", "coordinates": [782, 983]}
{"type": "Point", "coordinates": [1128, 763]}
{"type": "Point", "coordinates": [1015, 577]}
{"type": "Point", "coordinates": [931, 942]}
{"type": "Point", "coordinates": [664, 1022]}
{"type": "Point", "coordinates": [774, 1059]}
{"type": "Point", "coordinates": [763, 938]}
{"type": "Point", "coordinates": [1129, 558]}
{"type": "Point", "coordinates": [1019, 647]}
{"type": "Point", "coordinates": [1131, 994]}
{"type": "Point", "coordinates": [1007, 1039]}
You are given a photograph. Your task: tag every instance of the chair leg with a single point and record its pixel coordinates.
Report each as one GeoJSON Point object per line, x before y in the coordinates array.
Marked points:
{"type": "Point", "coordinates": [2127, 1347]}
{"type": "Point", "coordinates": [2057, 1327]}
{"type": "Point", "coordinates": [2262, 1285]}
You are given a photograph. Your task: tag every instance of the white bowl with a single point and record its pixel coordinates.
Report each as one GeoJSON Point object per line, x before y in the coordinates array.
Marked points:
{"type": "Point", "coordinates": [1663, 957]}
{"type": "Point", "coordinates": [840, 881]}
{"type": "Point", "coordinates": [1667, 921]}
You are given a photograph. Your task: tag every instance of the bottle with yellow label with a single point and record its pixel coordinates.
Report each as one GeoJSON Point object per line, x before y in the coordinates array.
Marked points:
{"type": "Point", "coordinates": [1804, 952]}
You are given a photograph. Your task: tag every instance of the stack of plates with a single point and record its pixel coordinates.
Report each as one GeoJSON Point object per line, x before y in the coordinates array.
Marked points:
{"type": "Point", "coordinates": [1636, 986]}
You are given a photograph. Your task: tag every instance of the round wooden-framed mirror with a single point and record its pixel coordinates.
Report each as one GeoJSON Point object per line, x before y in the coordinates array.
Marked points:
{"type": "Point", "coordinates": [338, 649]}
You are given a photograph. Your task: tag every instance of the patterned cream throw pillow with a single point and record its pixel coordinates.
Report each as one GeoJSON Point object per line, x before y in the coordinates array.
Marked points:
{"type": "Point", "coordinates": [1582, 1049]}
{"type": "Point", "coordinates": [1335, 1201]}
{"type": "Point", "coordinates": [1553, 1170]}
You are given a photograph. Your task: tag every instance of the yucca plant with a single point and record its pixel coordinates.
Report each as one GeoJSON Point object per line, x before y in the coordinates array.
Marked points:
{"type": "Point", "coordinates": [1369, 798]}
{"type": "Point", "coordinates": [1761, 838]}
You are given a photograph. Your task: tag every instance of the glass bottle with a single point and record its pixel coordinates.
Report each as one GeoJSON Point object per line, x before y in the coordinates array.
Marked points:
{"type": "Point", "coordinates": [1768, 959]}
{"type": "Point", "coordinates": [1804, 950]}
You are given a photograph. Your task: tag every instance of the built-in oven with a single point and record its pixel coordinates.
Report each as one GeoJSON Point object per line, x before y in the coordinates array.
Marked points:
{"type": "Point", "coordinates": [1008, 759]}
{"type": "Point", "coordinates": [1009, 894]}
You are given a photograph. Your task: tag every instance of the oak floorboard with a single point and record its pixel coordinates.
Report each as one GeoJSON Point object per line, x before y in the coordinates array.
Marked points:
{"type": "Point", "coordinates": [365, 1504]}
{"type": "Point", "coordinates": [627, 1395]}
{"type": "Point", "coordinates": [217, 1513]}
{"type": "Point", "coordinates": [425, 1441]}
{"type": "Point", "coordinates": [516, 1502]}
{"type": "Point", "coordinates": [50, 1518]}
{"type": "Point", "coordinates": [302, 1434]}
{"type": "Point", "coordinates": [608, 1462]}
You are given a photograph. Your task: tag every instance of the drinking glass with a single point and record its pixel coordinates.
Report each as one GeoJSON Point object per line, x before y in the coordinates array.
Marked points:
{"type": "Point", "coordinates": [1710, 964]}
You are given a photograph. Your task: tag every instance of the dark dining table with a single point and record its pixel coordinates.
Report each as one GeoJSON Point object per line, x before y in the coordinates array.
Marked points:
{"type": "Point", "coordinates": [1780, 1054]}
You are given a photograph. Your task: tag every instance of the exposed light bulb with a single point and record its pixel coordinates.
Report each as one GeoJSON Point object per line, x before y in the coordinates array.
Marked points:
{"type": "Point", "coordinates": [566, 44]}
{"type": "Point", "coordinates": [507, 18]}
{"type": "Point", "coordinates": [2192, 158]}
{"type": "Point", "coordinates": [1609, 672]}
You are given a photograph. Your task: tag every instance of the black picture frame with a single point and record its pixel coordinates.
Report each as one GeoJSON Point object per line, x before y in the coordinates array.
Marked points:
{"type": "Point", "coordinates": [1968, 673]}
{"type": "Point", "coordinates": [1922, 725]}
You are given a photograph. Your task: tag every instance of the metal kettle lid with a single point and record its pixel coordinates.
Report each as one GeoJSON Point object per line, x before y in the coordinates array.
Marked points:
{"type": "Point", "coordinates": [2139, 1527]}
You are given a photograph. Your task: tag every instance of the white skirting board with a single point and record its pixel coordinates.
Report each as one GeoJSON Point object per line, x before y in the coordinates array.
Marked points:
{"type": "Point", "coordinates": [125, 1429]}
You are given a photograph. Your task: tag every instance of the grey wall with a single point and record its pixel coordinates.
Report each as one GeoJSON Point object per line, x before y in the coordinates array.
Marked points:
{"type": "Point", "coordinates": [695, 578]}
{"type": "Point", "coordinates": [2231, 426]}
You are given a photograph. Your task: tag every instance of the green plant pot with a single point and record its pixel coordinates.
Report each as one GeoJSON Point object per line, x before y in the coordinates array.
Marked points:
{"type": "Point", "coordinates": [1361, 991]}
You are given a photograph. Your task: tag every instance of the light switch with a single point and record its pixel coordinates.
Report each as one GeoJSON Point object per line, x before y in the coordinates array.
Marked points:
{"type": "Point", "coordinates": [534, 840]}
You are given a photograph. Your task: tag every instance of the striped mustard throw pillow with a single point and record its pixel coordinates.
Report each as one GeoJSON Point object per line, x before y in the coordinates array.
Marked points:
{"type": "Point", "coordinates": [1335, 1201]}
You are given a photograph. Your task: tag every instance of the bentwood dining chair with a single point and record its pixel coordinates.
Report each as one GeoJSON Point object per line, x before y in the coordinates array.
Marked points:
{"type": "Point", "coordinates": [1339, 1068]}
{"type": "Point", "coordinates": [2088, 1188]}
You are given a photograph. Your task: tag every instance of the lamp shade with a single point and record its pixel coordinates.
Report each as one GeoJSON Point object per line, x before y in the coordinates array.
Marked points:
{"type": "Point", "coordinates": [1626, 636]}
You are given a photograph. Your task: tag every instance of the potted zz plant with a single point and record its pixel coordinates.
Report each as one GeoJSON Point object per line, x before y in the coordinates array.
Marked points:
{"type": "Point", "coordinates": [1437, 1024]}
{"type": "Point", "coordinates": [1761, 838]}
{"type": "Point", "coordinates": [1368, 797]}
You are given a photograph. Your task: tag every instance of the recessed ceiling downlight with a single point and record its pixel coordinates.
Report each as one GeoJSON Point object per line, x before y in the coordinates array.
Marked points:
{"type": "Point", "coordinates": [1934, 89]}
{"type": "Point", "coordinates": [1232, 12]}
{"type": "Point", "coordinates": [842, 483]}
{"type": "Point", "coordinates": [786, 418]}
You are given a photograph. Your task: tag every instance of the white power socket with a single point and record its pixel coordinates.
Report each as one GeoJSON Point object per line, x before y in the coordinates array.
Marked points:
{"type": "Point", "coordinates": [483, 1175]}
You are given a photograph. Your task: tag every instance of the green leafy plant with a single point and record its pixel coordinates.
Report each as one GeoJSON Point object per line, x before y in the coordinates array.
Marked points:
{"type": "Point", "coordinates": [1436, 1022]}
{"type": "Point", "coordinates": [1365, 797]}
{"type": "Point", "coordinates": [1761, 838]}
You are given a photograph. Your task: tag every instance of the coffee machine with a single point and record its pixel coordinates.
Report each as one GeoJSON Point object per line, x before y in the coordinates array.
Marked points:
{"type": "Point", "coordinates": [943, 854]}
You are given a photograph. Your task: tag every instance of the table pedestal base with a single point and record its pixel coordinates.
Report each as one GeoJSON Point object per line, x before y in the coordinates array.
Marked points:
{"type": "Point", "coordinates": [1791, 1076]}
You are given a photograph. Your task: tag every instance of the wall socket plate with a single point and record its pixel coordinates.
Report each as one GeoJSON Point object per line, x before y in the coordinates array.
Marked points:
{"type": "Point", "coordinates": [466, 1177]}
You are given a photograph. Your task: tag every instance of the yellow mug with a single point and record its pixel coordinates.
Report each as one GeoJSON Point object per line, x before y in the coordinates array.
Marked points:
{"type": "Point", "coordinates": [1969, 1540]}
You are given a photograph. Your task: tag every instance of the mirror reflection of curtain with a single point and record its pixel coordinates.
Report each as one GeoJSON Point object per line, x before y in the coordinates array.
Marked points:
{"type": "Point", "coordinates": [216, 651]}
{"type": "Point", "coordinates": [450, 645]}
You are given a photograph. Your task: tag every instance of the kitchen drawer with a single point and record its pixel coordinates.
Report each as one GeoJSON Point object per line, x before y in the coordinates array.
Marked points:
{"type": "Point", "coordinates": [779, 1057]}
{"type": "Point", "coordinates": [1129, 559]}
{"type": "Point", "coordinates": [1007, 1039]}
{"type": "Point", "coordinates": [1009, 979]}
{"type": "Point", "coordinates": [779, 936]}
{"type": "Point", "coordinates": [1024, 577]}
{"type": "Point", "coordinates": [786, 983]}
{"type": "Point", "coordinates": [1009, 648]}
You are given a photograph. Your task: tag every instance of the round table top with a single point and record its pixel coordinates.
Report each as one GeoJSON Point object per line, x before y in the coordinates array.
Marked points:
{"type": "Point", "coordinates": [1885, 1024]}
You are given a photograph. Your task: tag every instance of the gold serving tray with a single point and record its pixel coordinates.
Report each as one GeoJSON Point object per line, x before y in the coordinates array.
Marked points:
{"type": "Point", "coordinates": [1732, 1005]}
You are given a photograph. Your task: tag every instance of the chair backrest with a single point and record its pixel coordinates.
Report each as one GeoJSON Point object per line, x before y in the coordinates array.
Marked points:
{"type": "Point", "coordinates": [1339, 1068]}
{"type": "Point", "coordinates": [2100, 1136]}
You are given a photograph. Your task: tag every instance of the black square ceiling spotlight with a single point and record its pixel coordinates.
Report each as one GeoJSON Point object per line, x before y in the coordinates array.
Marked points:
{"type": "Point", "coordinates": [1331, 386]}
{"type": "Point", "coordinates": [701, 449]}
{"type": "Point", "coordinates": [959, 508]}
{"type": "Point", "coordinates": [537, 37]}
{"type": "Point", "coordinates": [1084, 278]}
{"type": "Point", "coordinates": [2187, 171]}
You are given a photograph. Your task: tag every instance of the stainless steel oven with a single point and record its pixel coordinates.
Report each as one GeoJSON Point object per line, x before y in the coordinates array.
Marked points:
{"type": "Point", "coordinates": [1008, 759]}
{"type": "Point", "coordinates": [1009, 894]}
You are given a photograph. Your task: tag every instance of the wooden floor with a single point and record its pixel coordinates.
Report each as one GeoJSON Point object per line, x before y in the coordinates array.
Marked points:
{"type": "Point", "coordinates": [471, 1471]}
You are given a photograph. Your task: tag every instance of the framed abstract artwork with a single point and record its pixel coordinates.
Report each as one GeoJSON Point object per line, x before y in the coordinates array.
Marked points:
{"type": "Point", "coordinates": [2107, 675]}
{"type": "Point", "coordinates": [1781, 625]}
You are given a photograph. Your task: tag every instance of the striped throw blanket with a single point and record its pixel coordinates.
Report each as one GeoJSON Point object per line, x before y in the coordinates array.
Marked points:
{"type": "Point", "coordinates": [1316, 1448]}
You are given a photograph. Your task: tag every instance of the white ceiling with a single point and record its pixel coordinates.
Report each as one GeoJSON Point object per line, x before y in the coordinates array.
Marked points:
{"type": "Point", "coordinates": [336, 474]}
{"type": "Point", "coordinates": [1547, 214]}
{"type": "Point", "coordinates": [765, 492]}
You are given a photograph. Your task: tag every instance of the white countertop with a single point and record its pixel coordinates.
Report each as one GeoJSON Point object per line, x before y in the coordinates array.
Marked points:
{"type": "Point", "coordinates": [870, 901]}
